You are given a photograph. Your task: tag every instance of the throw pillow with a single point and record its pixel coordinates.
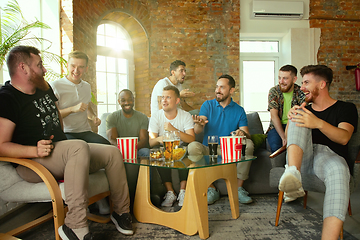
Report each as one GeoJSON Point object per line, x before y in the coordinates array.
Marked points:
{"type": "Point", "coordinates": [258, 140]}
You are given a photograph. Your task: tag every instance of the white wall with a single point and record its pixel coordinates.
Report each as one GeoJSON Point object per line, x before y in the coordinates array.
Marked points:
{"type": "Point", "coordinates": [47, 11]}
{"type": "Point", "coordinates": [298, 43]}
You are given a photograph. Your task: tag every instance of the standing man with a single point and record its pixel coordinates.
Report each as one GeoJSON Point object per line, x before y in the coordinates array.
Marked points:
{"type": "Point", "coordinates": [74, 97]}
{"type": "Point", "coordinates": [220, 117]}
{"type": "Point", "coordinates": [317, 138]}
{"type": "Point", "coordinates": [128, 122]}
{"type": "Point", "coordinates": [177, 77]}
{"type": "Point", "coordinates": [281, 98]}
{"type": "Point", "coordinates": [170, 118]}
{"type": "Point", "coordinates": [27, 108]}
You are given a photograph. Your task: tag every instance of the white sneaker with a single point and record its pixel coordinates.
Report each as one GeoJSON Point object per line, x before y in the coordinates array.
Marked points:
{"type": "Point", "coordinates": [170, 198]}
{"type": "Point", "coordinates": [181, 197]}
{"type": "Point", "coordinates": [290, 181]}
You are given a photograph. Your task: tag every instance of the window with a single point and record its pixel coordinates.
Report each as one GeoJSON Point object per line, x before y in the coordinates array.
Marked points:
{"type": "Point", "coordinates": [259, 69]}
{"type": "Point", "coordinates": [114, 65]}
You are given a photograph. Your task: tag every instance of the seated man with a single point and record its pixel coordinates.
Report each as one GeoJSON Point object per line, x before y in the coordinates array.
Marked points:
{"type": "Point", "coordinates": [317, 138]}
{"type": "Point", "coordinates": [74, 99]}
{"type": "Point", "coordinates": [170, 118]}
{"type": "Point", "coordinates": [281, 98]}
{"type": "Point", "coordinates": [220, 117]}
{"type": "Point", "coordinates": [28, 114]}
{"type": "Point", "coordinates": [128, 122]}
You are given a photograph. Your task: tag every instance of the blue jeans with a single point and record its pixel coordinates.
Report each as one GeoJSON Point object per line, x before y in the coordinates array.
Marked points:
{"type": "Point", "coordinates": [274, 140]}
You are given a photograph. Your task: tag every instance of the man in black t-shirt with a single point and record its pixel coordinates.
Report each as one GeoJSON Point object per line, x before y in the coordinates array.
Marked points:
{"type": "Point", "coordinates": [317, 138]}
{"type": "Point", "coordinates": [31, 127]}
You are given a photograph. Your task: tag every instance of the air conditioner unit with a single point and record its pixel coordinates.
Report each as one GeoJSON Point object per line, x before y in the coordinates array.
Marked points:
{"type": "Point", "coordinates": [277, 9]}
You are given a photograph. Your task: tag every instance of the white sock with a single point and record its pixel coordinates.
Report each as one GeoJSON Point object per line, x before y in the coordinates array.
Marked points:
{"type": "Point", "coordinates": [81, 232]}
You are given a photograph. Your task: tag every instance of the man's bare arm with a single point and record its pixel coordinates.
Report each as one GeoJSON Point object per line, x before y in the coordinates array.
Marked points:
{"type": "Point", "coordinates": [77, 108]}
{"type": "Point", "coordinates": [112, 134]}
{"type": "Point", "coordinates": [154, 139]}
{"type": "Point", "coordinates": [274, 115]}
{"type": "Point", "coordinates": [200, 122]}
{"type": "Point", "coordinates": [10, 149]}
{"type": "Point", "coordinates": [143, 139]}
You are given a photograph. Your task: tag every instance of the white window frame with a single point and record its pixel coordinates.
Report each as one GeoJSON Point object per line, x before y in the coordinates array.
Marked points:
{"type": "Point", "coordinates": [125, 54]}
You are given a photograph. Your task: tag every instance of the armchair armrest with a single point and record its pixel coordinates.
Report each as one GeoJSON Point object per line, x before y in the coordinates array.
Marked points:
{"type": "Point", "coordinates": [278, 152]}
{"type": "Point", "coordinates": [49, 180]}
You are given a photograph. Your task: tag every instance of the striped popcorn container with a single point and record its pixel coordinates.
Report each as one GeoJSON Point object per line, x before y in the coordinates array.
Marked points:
{"type": "Point", "coordinates": [231, 148]}
{"type": "Point", "coordinates": [128, 148]}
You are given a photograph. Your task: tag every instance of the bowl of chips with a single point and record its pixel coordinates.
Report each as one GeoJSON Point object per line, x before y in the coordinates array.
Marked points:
{"type": "Point", "coordinates": [179, 153]}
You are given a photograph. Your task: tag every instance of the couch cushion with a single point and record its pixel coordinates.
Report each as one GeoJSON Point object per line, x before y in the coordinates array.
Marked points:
{"type": "Point", "coordinates": [254, 123]}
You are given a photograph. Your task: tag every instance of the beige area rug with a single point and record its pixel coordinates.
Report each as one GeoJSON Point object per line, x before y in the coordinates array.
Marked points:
{"type": "Point", "coordinates": [256, 221]}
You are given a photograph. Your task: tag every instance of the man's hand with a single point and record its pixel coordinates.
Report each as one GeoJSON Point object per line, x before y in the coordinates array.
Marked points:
{"type": "Point", "coordinates": [96, 121]}
{"type": "Point", "coordinates": [44, 147]}
{"type": "Point", "coordinates": [292, 112]}
{"type": "Point", "coordinates": [169, 127]}
{"type": "Point", "coordinates": [79, 107]}
{"type": "Point", "coordinates": [200, 121]}
{"type": "Point", "coordinates": [239, 132]}
{"type": "Point", "coordinates": [185, 93]}
{"type": "Point", "coordinates": [305, 118]}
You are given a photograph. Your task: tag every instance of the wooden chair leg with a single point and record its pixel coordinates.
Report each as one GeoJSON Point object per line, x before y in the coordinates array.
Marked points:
{"type": "Point", "coordinates": [349, 208]}
{"type": "Point", "coordinates": [342, 233]}
{"type": "Point", "coordinates": [305, 199]}
{"type": "Point", "coordinates": [280, 200]}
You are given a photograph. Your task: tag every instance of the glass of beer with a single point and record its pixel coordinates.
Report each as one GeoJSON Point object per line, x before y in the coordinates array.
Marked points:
{"type": "Point", "coordinates": [213, 142]}
{"type": "Point", "coordinates": [176, 139]}
{"type": "Point", "coordinates": [168, 140]}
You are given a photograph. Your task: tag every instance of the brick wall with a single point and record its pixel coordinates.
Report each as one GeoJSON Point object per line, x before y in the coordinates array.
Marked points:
{"type": "Point", "coordinates": [339, 43]}
{"type": "Point", "coordinates": [204, 34]}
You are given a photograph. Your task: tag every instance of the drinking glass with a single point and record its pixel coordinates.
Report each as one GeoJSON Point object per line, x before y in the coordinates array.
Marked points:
{"type": "Point", "coordinates": [213, 142]}
{"type": "Point", "coordinates": [176, 138]}
{"type": "Point", "coordinates": [168, 140]}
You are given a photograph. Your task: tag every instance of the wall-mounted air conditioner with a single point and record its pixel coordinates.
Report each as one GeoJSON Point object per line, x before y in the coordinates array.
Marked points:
{"type": "Point", "coordinates": [277, 9]}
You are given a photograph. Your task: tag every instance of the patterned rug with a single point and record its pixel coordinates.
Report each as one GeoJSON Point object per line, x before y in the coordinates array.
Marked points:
{"type": "Point", "coordinates": [256, 221]}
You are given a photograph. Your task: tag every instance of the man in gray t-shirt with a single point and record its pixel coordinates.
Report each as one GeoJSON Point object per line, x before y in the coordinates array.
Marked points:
{"type": "Point", "coordinates": [128, 122]}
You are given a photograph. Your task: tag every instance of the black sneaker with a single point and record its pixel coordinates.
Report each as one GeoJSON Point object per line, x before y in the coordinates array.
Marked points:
{"type": "Point", "coordinates": [123, 223]}
{"type": "Point", "coordinates": [67, 234]}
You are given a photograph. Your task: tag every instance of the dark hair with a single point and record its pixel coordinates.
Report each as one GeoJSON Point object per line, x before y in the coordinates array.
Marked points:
{"type": "Point", "coordinates": [19, 54]}
{"type": "Point", "coordinates": [319, 70]}
{"type": "Point", "coordinates": [289, 68]}
{"type": "Point", "coordinates": [172, 88]}
{"type": "Point", "coordinates": [175, 64]}
{"type": "Point", "coordinates": [230, 78]}
{"type": "Point", "coordinates": [126, 90]}
{"type": "Point", "coordinates": [80, 55]}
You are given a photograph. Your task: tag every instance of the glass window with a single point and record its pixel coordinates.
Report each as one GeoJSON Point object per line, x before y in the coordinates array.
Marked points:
{"type": "Point", "coordinates": [112, 67]}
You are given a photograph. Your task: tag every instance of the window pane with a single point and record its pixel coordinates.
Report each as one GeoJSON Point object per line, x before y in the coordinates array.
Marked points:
{"type": "Point", "coordinates": [101, 29]}
{"type": "Point", "coordinates": [257, 84]}
{"type": "Point", "coordinates": [101, 64]}
{"type": "Point", "coordinates": [110, 30]}
{"type": "Point", "coordinates": [100, 39]}
{"type": "Point", "coordinates": [101, 87]}
{"type": "Point", "coordinates": [111, 108]}
{"type": "Point", "coordinates": [110, 64]}
{"type": "Point", "coordinates": [123, 81]}
{"type": "Point", "coordinates": [102, 108]}
{"type": "Point", "coordinates": [111, 88]}
{"type": "Point", "coordinates": [259, 46]}
{"type": "Point", "coordinates": [122, 65]}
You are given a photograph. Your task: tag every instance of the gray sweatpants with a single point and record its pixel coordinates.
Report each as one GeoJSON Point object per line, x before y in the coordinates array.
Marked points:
{"type": "Point", "coordinates": [73, 160]}
{"type": "Point", "coordinates": [328, 166]}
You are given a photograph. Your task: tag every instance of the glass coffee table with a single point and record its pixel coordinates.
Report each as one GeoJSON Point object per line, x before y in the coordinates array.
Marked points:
{"type": "Point", "coordinates": [193, 216]}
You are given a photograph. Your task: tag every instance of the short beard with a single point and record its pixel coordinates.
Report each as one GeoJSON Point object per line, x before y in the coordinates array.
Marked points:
{"type": "Point", "coordinates": [314, 95]}
{"type": "Point", "coordinates": [39, 81]}
{"type": "Point", "coordinates": [285, 90]}
{"type": "Point", "coordinates": [222, 99]}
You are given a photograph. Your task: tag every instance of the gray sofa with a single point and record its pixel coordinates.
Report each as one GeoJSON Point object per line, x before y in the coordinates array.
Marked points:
{"type": "Point", "coordinates": [258, 182]}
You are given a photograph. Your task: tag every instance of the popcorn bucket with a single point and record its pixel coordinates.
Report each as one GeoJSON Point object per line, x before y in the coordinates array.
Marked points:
{"type": "Point", "coordinates": [231, 148]}
{"type": "Point", "coordinates": [128, 147]}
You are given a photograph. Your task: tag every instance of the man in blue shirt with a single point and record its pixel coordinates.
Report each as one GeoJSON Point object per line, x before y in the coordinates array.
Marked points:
{"type": "Point", "coordinates": [221, 116]}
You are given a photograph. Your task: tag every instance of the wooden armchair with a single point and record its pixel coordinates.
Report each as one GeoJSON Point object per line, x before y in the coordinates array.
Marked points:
{"type": "Point", "coordinates": [311, 182]}
{"type": "Point", "coordinates": [15, 189]}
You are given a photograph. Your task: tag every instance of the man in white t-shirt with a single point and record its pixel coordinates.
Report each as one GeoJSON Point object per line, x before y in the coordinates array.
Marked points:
{"type": "Point", "coordinates": [74, 97]}
{"type": "Point", "coordinates": [177, 77]}
{"type": "Point", "coordinates": [170, 118]}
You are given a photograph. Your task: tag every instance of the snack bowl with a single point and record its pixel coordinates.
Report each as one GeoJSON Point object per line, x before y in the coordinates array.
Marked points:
{"type": "Point", "coordinates": [179, 153]}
